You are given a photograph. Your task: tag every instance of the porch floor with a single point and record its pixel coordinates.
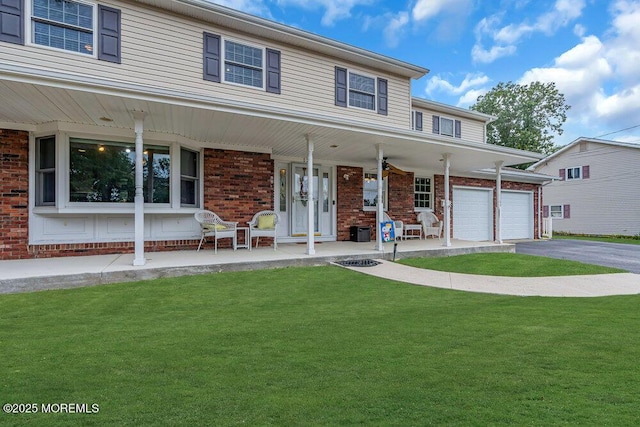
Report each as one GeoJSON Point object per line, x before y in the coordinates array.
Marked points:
{"type": "Point", "coordinates": [68, 272]}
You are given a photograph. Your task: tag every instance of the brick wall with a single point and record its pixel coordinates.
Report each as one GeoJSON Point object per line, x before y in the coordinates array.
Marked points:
{"type": "Point", "coordinates": [14, 194]}
{"type": "Point", "coordinates": [237, 185]}
{"type": "Point", "coordinates": [484, 183]}
{"type": "Point", "coordinates": [350, 204]}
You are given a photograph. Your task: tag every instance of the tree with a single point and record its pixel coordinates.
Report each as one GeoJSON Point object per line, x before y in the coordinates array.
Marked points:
{"type": "Point", "coordinates": [528, 116]}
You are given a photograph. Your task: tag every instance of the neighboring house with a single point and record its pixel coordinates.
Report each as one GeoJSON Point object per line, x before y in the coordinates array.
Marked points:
{"type": "Point", "coordinates": [120, 119]}
{"type": "Point", "coordinates": [597, 189]}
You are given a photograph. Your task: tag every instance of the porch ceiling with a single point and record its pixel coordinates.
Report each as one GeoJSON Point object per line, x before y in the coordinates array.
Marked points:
{"type": "Point", "coordinates": [242, 126]}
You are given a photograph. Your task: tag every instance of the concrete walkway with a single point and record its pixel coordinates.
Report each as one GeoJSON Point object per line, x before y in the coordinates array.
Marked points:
{"type": "Point", "coordinates": [553, 286]}
{"type": "Point", "coordinates": [68, 272]}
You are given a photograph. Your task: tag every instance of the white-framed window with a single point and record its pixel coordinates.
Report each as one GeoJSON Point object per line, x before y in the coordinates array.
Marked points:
{"type": "Point", "coordinates": [422, 193]}
{"type": "Point", "coordinates": [555, 211]}
{"type": "Point", "coordinates": [370, 191]}
{"type": "Point", "coordinates": [189, 177]}
{"type": "Point", "coordinates": [104, 172]}
{"type": "Point", "coordinates": [63, 24]}
{"type": "Point", "coordinates": [446, 126]}
{"type": "Point", "coordinates": [362, 91]}
{"type": "Point", "coordinates": [243, 64]}
{"type": "Point", "coordinates": [416, 120]}
{"type": "Point", "coordinates": [574, 173]}
{"type": "Point", "coordinates": [45, 171]}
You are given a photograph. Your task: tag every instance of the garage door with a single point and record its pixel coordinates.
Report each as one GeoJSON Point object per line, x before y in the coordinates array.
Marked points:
{"type": "Point", "coordinates": [517, 215]}
{"type": "Point", "coordinates": [472, 214]}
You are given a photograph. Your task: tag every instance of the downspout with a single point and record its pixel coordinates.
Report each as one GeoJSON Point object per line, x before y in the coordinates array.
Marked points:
{"type": "Point", "coordinates": [139, 258]}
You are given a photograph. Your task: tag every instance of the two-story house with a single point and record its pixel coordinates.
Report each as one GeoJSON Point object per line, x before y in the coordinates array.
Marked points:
{"type": "Point", "coordinates": [596, 190]}
{"type": "Point", "coordinates": [120, 119]}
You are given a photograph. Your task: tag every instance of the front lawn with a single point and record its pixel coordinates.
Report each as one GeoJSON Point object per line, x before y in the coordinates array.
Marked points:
{"type": "Point", "coordinates": [317, 346]}
{"type": "Point", "coordinates": [508, 264]}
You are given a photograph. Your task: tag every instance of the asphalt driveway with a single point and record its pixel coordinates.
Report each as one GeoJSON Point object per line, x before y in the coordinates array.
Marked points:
{"type": "Point", "coordinates": [618, 255]}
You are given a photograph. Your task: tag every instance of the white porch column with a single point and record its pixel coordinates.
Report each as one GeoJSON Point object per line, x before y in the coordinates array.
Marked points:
{"type": "Point", "coordinates": [499, 202]}
{"type": "Point", "coordinates": [139, 197]}
{"type": "Point", "coordinates": [310, 202]}
{"type": "Point", "coordinates": [380, 204]}
{"type": "Point", "coordinates": [447, 201]}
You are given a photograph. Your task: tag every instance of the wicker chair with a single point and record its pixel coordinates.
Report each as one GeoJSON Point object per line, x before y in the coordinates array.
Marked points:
{"type": "Point", "coordinates": [431, 225]}
{"type": "Point", "coordinates": [212, 225]}
{"type": "Point", "coordinates": [397, 226]}
{"type": "Point", "coordinates": [264, 224]}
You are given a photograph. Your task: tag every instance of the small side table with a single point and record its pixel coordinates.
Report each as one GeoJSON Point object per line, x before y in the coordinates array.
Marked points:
{"type": "Point", "coordinates": [246, 244]}
{"type": "Point", "coordinates": [410, 231]}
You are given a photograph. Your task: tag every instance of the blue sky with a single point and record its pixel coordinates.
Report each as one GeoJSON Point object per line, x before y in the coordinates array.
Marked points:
{"type": "Point", "coordinates": [589, 48]}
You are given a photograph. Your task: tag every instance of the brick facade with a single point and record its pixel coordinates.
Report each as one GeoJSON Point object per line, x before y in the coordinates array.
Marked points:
{"type": "Point", "coordinates": [350, 203]}
{"type": "Point", "coordinates": [14, 194]}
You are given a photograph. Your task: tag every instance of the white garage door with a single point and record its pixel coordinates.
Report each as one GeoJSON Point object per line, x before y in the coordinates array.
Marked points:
{"type": "Point", "coordinates": [472, 214]}
{"type": "Point", "coordinates": [517, 215]}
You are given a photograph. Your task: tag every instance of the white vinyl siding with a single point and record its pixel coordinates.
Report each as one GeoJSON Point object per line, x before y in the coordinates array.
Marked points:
{"type": "Point", "coordinates": [472, 130]}
{"type": "Point", "coordinates": [165, 51]}
{"type": "Point", "coordinates": [608, 201]}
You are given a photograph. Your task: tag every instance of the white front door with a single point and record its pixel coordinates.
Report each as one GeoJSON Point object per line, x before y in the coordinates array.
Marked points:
{"type": "Point", "coordinates": [300, 201]}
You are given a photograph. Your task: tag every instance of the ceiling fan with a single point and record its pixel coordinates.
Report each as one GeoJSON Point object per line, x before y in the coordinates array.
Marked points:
{"type": "Point", "coordinates": [388, 168]}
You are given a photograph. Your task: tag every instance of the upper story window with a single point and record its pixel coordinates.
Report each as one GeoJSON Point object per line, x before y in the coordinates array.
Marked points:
{"type": "Point", "coordinates": [447, 127]}
{"type": "Point", "coordinates": [63, 24]}
{"type": "Point", "coordinates": [370, 191]}
{"type": "Point", "coordinates": [422, 193]}
{"type": "Point", "coordinates": [416, 120]}
{"type": "Point", "coordinates": [576, 172]}
{"type": "Point", "coordinates": [243, 64]}
{"type": "Point", "coordinates": [360, 91]}
{"type": "Point", "coordinates": [573, 173]}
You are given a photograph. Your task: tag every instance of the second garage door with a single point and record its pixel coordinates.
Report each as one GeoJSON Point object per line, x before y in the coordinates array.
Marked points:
{"type": "Point", "coordinates": [517, 215]}
{"type": "Point", "coordinates": [472, 214]}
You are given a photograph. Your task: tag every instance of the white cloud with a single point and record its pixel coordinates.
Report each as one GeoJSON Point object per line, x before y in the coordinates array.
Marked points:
{"type": "Point", "coordinates": [599, 77]}
{"type": "Point", "coordinates": [335, 10]}
{"type": "Point", "coordinates": [503, 39]}
{"type": "Point", "coordinates": [425, 9]}
{"type": "Point", "coordinates": [471, 97]}
{"type": "Point", "coordinates": [395, 28]}
{"type": "Point", "coordinates": [438, 84]}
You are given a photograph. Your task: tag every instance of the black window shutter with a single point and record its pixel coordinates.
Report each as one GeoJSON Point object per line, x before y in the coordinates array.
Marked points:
{"type": "Point", "coordinates": [545, 211]}
{"type": "Point", "coordinates": [341, 87]}
{"type": "Point", "coordinates": [108, 34]}
{"type": "Point", "coordinates": [566, 211]}
{"type": "Point", "coordinates": [458, 129]}
{"type": "Point", "coordinates": [436, 124]}
{"type": "Point", "coordinates": [211, 57]}
{"type": "Point", "coordinates": [273, 71]}
{"type": "Point", "coordinates": [383, 95]}
{"type": "Point", "coordinates": [11, 21]}
{"type": "Point", "coordinates": [418, 120]}
{"type": "Point", "coordinates": [585, 172]}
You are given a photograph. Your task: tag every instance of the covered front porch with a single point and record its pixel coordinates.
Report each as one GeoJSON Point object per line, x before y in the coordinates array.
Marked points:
{"type": "Point", "coordinates": [69, 272]}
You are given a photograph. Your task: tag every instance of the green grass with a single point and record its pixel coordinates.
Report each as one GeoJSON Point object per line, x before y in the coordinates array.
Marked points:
{"type": "Point", "coordinates": [631, 240]}
{"type": "Point", "coordinates": [317, 346]}
{"type": "Point", "coordinates": [508, 264]}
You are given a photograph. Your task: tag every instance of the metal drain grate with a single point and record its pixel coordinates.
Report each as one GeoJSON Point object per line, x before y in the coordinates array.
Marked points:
{"type": "Point", "coordinates": [358, 263]}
